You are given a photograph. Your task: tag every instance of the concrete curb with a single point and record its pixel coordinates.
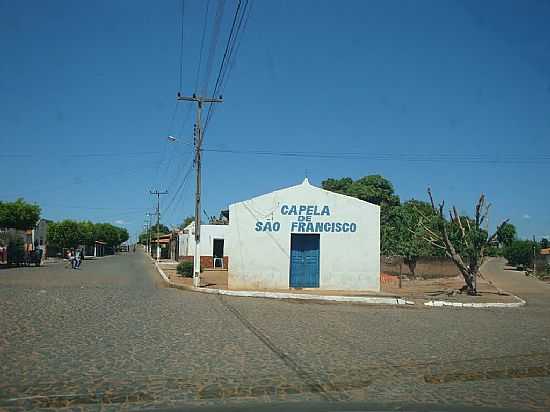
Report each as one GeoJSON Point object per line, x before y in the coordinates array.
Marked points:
{"type": "Point", "coordinates": [283, 295]}
{"type": "Point", "coordinates": [440, 303]}
{"type": "Point", "coordinates": [349, 299]}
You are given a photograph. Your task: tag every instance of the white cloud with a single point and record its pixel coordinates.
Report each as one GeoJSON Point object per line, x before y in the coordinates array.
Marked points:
{"type": "Point", "coordinates": [120, 222]}
{"type": "Point", "coordinates": [526, 216]}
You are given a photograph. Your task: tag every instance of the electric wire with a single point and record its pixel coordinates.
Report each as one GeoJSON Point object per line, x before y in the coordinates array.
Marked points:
{"type": "Point", "coordinates": [405, 157]}
{"type": "Point", "coordinates": [202, 45]}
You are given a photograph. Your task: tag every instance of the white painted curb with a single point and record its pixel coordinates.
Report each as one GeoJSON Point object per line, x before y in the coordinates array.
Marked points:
{"type": "Point", "coordinates": [166, 279]}
{"type": "Point", "coordinates": [283, 295]}
{"type": "Point", "coordinates": [358, 299]}
{"type": "Point", "coordinates": [441, 303]}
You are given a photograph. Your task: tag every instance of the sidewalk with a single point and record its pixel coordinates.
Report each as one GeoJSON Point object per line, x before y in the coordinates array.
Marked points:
{"type": "Point", "coordinates": [215, 282]}
{"type": "Point", "coordinates": [444, 289]}
{"type": "Point", "coordinates": [435, 292]}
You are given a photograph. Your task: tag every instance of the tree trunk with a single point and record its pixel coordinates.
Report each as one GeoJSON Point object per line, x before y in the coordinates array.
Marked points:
{"type": "Point", "coordinates": [411, 263]}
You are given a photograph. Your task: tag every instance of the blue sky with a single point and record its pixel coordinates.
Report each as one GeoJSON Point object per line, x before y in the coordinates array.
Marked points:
{"type": "Point", "coordinates": [88, 95]}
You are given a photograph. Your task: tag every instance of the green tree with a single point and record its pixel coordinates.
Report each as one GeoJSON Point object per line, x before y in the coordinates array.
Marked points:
{"type": "Point", "coordinates": [377, 190]}
{"type": "Point", "coordinates": [123, 235]}
{"type": "Point", "coordinates": [111, 234]}
{"type": "Point", "coordinates": [373, 189]}
{"type": "Point", "coordinates": [19, 215]}
{"type": "Point", "coordinates": [64, 234]}
{"type": "Point", "coordinates": [520, 252]}
{"type": "Point", "coordinates": [506, 234]}
{"type": "Point", "coordinates": [338, 185]}
{"type": "Point", "coordinates": [412, 244]}
{"type": "Point", "coordinates": [88, 232]}
{"type": "Point", "coordinates": [144, 236]}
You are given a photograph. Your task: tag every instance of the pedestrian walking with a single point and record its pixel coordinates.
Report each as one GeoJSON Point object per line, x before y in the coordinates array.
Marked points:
{"type": "Point", "coordinates": [78, 259]}
{"type": "Point", "coordinates": [71, 257]}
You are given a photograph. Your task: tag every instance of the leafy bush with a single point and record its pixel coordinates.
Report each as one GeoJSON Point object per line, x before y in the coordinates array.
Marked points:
{"type": "Point", "coordinates": [520, 253]}
{"type": "Point", "coordinates": [185, 269]}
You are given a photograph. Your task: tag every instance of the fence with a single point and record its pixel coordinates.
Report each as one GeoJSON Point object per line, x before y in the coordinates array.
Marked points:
{"type": "Point", "coordinates": [426, 267]}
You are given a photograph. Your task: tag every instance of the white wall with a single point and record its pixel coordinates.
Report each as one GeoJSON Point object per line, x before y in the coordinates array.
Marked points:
{"type": "Point", "coordinates": [208, 234]}
{"type": "Point", "coordinates": [261, 259]}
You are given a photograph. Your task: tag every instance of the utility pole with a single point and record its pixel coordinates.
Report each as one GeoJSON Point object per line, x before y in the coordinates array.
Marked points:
{"type": "Point", "coordinates": [148, 238]}
{"type": "Point", "coordinates": [200, 100]}
{"type": "Point", "coordinates": [534, 256]}
{"type": "Point", "coordinates": [156, 192]}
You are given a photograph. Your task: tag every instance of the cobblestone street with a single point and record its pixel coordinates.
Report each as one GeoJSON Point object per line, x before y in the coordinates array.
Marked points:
{"type": "Point", "coordinates": [111, 336]}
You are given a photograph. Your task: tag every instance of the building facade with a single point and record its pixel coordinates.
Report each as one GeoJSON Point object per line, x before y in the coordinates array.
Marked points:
{"type": "Point", "coordinates": [212, 245]}
{"type": "Point", "coordinates": [304, 237]}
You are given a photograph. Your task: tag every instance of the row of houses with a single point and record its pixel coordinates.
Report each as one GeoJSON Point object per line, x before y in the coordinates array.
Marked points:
{"type": "Point", "coordinates": [33, 239]}
{"type": "Point", "coordinates": [37, 238]}
{"type": "Point", "coordinates": [297, 237]}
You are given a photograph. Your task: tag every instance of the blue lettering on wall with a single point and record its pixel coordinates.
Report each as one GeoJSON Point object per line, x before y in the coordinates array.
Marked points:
{"type": "Point", "coordinates": [308, 210]}
{"type": "Point", "coordinates": [303, 221]}
{"type": "Point", "coordinates": [323, 227]}
{"type": "Point", "coordinates": [267, 226]}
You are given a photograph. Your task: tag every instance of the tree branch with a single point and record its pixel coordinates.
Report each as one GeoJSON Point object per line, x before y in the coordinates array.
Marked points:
{"type": "Point", "coordinates": [431, 198]}
{"type": "Point", "coordinates": [494, 235]}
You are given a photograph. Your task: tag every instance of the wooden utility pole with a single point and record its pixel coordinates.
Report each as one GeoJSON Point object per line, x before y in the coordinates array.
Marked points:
{"type": "Point", "coordinates": [198, 144]}
{"type": "Point", "coordinates": [156, 192]}
{"type": "Point", "coordinates": [534, 256]}
{"type": "Point", "coordinates": [148, 225]}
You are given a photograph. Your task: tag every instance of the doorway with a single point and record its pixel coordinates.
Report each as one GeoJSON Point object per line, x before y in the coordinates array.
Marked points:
{"type": "Point", "coordinates": [304, 260]}
{"type": "Point", "coordinates": [217, 253]}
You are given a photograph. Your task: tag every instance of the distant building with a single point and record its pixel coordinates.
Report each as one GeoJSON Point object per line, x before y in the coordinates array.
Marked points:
{"type": "Point", "coordinates": [212, 245]}
{"type": "Point", "coordinates": [39, 236]}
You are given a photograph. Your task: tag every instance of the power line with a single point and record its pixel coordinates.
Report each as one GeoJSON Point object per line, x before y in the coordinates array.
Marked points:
{"type": "Point", "coordinates": [181, 43]}
{"type": "Point", "coordinates": [180, 188]}
{"type": "Point", "coordinates": [226, 56]}
{"type": "Point", "coordinates": [236, 43]}
{"type": "Point", "coordinates": [230, 51]}
{"type": "Point", "coordinates": [202, 44]}
{"type": "Point", "coordinates": [213, 44]}
{"type": "Point", "coordinates": [400, 157]}
{"type": "Point", "coordinates": [225, 53]}
{"type": "Point", "coordinates": [61, 206]}
{"type": "Point", "coordinates": [162, 159]}
{"type": "Point", "coordinates": [69, 156]}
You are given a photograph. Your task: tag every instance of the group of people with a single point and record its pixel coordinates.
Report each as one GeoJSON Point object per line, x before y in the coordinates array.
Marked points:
{"type": "Point", "coordinates": [75, 257]}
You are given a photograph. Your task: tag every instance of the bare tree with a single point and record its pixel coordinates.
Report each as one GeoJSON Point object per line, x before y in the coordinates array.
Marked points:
{"type": "Point", "coordinates": [467, 251]}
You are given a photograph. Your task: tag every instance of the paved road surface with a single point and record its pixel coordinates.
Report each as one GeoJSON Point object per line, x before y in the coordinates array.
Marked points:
{"type": "Point", "coordinates": [112, 334]}
{"type": "Point", "coordinates": [534, 291]}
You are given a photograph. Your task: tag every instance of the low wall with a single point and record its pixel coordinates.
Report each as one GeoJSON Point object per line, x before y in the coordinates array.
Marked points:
{"type": "Point", "coordinates": [426, 267]}
{"type": "Point", "coordinates": [207, 262]}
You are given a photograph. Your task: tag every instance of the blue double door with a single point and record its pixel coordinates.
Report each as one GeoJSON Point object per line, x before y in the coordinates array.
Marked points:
{"type": "Point", "coordinates": [304, 261]}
